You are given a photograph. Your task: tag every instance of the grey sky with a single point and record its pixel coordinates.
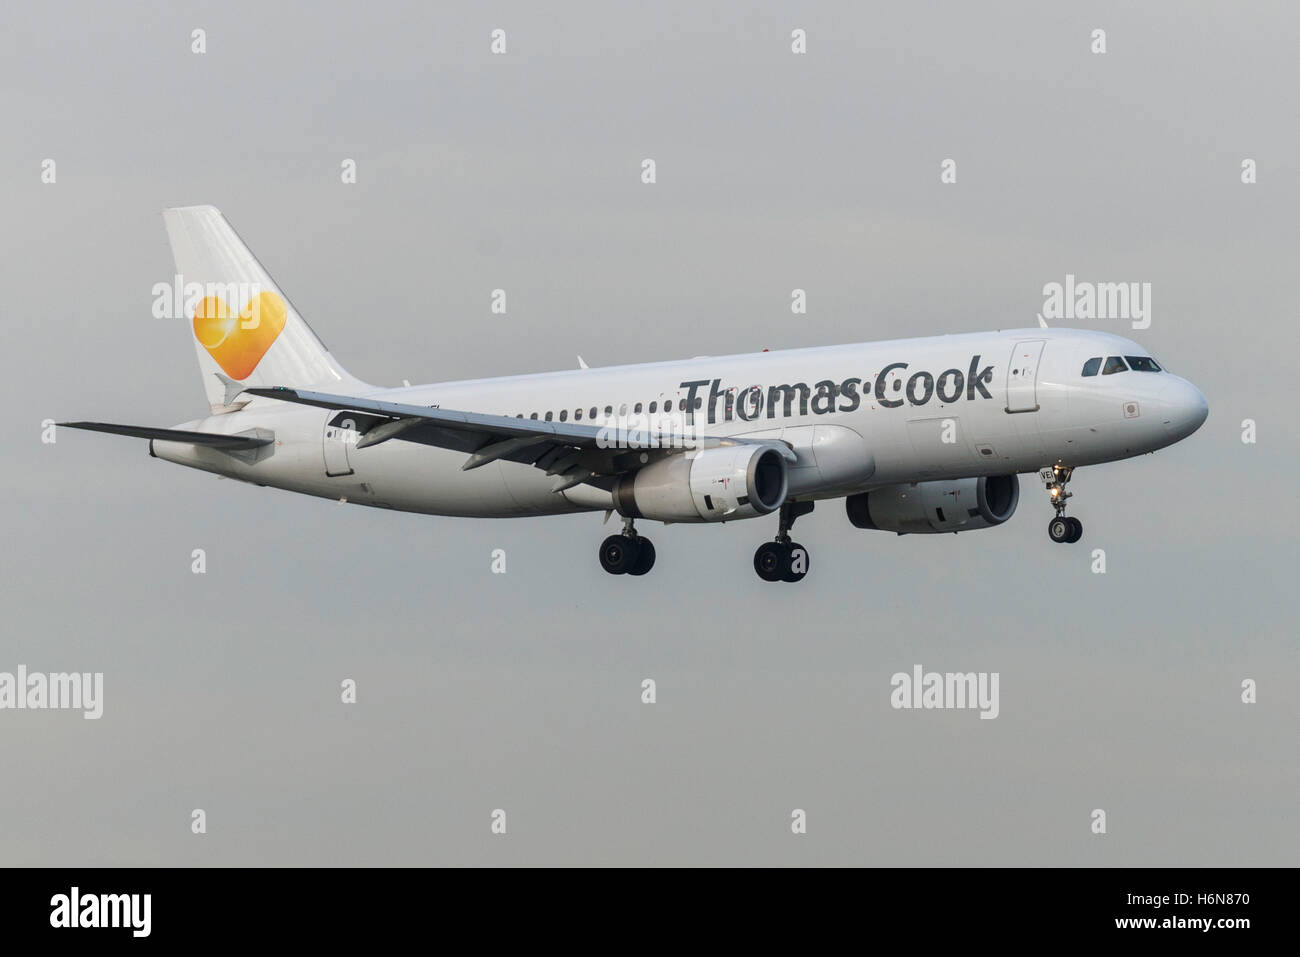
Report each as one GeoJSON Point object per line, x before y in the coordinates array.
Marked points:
{"type": "Point", "coordinates": [522, 691]}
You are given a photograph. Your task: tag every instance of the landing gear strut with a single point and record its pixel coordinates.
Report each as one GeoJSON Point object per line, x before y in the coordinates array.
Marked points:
{"type": "Point", "coordinates": [627, 553]}
{"type": "Point", "coordinates": [1061, 528]}
{"type": "Point", "coordinates": [783, 559]}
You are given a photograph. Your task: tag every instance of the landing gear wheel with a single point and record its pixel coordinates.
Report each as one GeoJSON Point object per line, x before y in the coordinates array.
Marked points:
{"type": "Point", "coordinates": [1060, 529]}
{"type": "Point", "coordinates": [795, 565]}
{"type": "Point", "coordinates": [770, 561]}
{"type": "Point", "coordinates": [645, 557]}
{"type": "Point", "coordinates": [619, 553]}
{"type": "Point", "coordinates": [784, 560]}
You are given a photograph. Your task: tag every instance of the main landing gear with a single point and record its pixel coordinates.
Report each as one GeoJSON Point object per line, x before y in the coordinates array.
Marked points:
{"type": "Point", "coordinates": [1062, 528]}
{"type": "Point", "coordinates": [784, 560]}
{"type": "Point", "coordinates": [781, 560]}
{"type": "Point", "coordinates": [627, 553]}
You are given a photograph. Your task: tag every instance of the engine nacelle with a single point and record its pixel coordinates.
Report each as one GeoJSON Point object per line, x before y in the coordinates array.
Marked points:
{"type": "Point", "coordinates": [926, 507]}
{"type": "Point", "coordinates": [710, 485]}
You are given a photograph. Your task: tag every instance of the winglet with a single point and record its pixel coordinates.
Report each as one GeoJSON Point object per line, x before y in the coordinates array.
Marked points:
{"type": "Point", "coordinates": [233, 389]}
{"type": "Point", "coordinates": [1041, 321]}
{"type": "Point", "coordinates": [582, 363]}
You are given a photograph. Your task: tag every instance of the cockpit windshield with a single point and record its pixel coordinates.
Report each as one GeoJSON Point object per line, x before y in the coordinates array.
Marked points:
{"type": "Point", "coordinates": [1118, 364]}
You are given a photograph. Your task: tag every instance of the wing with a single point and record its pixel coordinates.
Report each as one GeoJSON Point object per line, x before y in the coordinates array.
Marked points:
{"type": "Point", "coordinates": [572, 452]}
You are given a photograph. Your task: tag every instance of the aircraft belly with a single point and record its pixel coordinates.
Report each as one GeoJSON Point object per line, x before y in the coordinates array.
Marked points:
{"type": "Point", "coordinates": [421, 478]}
{"type": "Point", "coordinates": [530, 490]}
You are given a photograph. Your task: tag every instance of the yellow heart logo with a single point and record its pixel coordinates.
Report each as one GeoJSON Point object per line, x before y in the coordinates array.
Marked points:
{"type": "Point", "coordinates": [238, 342]}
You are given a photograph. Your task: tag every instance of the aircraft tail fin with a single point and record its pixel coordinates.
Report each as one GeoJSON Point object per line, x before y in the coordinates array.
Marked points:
{"type": "Point", "coordinates": [245, 330]}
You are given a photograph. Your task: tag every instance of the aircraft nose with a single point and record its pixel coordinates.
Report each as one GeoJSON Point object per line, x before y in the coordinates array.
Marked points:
{"type": "Point", "coordinates": [1186, 408]}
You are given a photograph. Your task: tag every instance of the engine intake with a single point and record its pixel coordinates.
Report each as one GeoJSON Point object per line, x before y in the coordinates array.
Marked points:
{"type": "Point", "coordinates": [961, 505]}
{"type": "Point", "coordinates": [711, 485]}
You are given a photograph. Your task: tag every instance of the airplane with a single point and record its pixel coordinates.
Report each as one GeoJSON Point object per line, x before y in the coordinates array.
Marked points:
{"type": "Point", "coordinates": [924, 435]}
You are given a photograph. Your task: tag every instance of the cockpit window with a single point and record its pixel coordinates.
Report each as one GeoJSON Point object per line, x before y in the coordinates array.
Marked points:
{"type": "Point", "coordinates": [1142, 364]}
{"type": "Point", "coordinates": [1091, 366]}
{"type": "Point", "coordinates": [1114, 364]}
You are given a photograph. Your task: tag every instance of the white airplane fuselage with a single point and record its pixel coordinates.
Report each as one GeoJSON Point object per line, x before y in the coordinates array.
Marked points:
{"type": "Point", "coordinates": [858, 417]}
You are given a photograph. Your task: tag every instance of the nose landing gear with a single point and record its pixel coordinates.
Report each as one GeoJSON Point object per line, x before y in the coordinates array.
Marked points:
{"type": "Point", "coordinates": [784, 560]}
{"type": "Point", "coordinates": [627, 553]}
{"type": "Point", "coordinates": [1062, 528]}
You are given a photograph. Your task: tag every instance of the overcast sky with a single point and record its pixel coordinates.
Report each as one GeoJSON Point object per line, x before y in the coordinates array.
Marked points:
{"type": "Point", "coordinates": [522, 691]}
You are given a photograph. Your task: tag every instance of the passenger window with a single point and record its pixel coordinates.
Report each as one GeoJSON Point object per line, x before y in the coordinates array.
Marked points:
{"type": "Point", "coordinates": [609, 410]}
{"type": "Point", "coordinates": [1142, 364]}
{"type": "Point", "coordinates": [637, 408]}
{"type": "Point", "coordinates": [1092, 367]}
{"type": "Point", "coordinates": [548, 416]}
{"type": "Point", "coordinates": [654, 406]}
{"type": "Point", "coordinates": [622, 409]}
{"type": "Point", "coordinates": [577, 415]}
{"type": "Point", "coordinates": [593, 411]}
{"type": "Point", "coordinates": [1114, 364]}
{"type": "Point", "coordinates": [533, 416]}
{"type": "Point", "coordinates": [564, 415]}
{"type": "Point", "coordinates": [668, 405]}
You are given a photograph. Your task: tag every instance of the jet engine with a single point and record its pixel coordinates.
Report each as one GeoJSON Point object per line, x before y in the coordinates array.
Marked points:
{"type": "Point", "coordinates": [927, 507]}
{"type": "Point", "coordinates": [710, 485]}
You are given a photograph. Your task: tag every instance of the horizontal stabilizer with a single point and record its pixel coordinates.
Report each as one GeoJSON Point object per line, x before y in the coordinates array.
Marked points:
{"type": "Point", "coordinates": [173, 435]}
